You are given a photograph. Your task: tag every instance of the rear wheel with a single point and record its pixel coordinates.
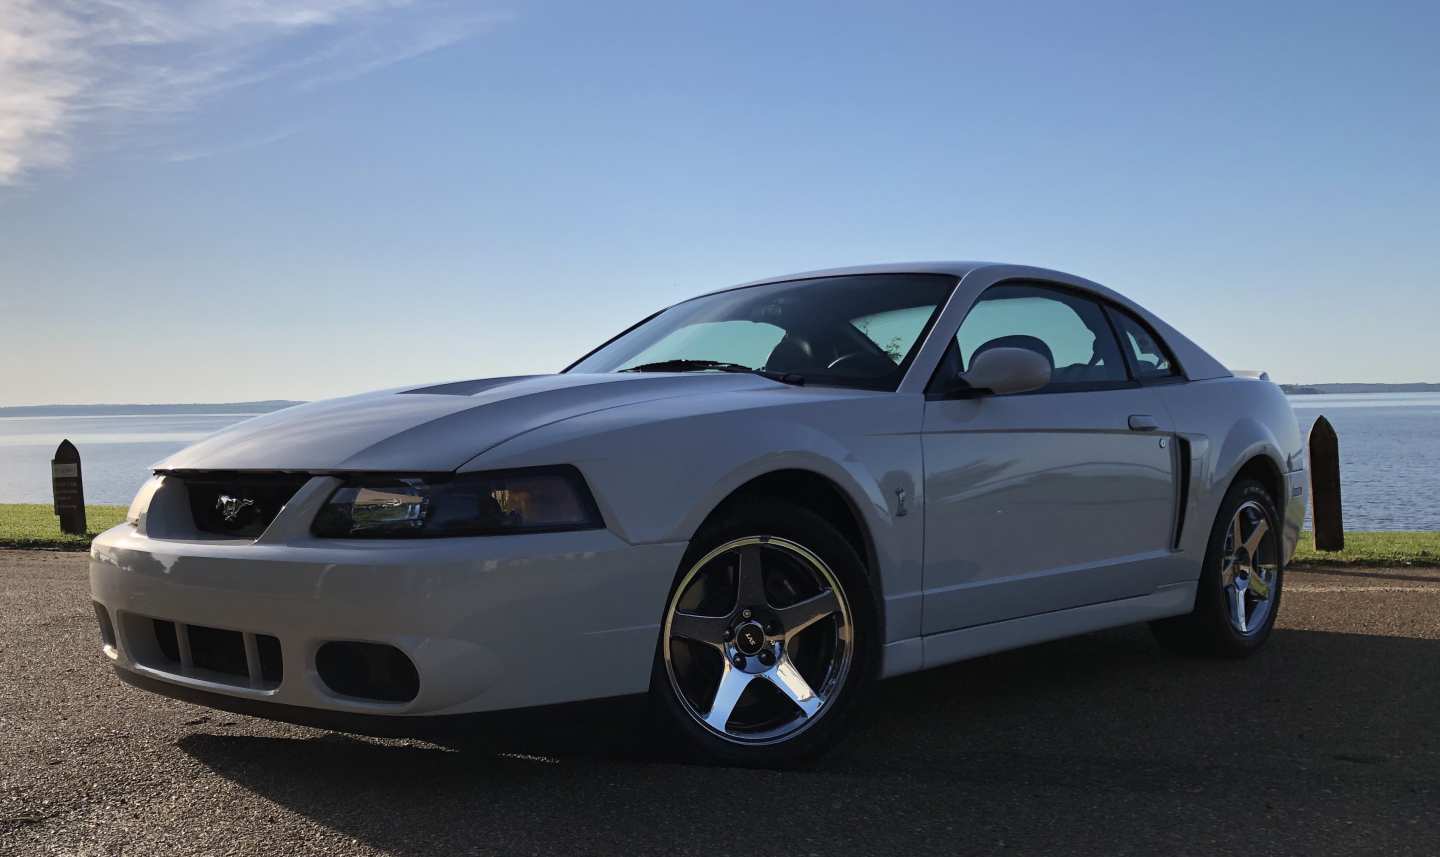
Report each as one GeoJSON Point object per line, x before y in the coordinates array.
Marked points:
{"type": "Point", "coordinates": [766, 639]}
{"type": "Point", "coordinates": [1239, 591]}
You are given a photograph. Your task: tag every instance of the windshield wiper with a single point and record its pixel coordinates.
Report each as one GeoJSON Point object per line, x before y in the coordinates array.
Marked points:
{"type": "Point", "coordinates": [688, 366]}
{"type": "Point", "coordinates": [717, 365]}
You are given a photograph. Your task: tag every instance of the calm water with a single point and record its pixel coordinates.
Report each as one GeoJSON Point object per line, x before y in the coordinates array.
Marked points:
{"type": "Point", "coordinates": [1389, 454]}
{"type": "Point", "coordinates": [116, 452]}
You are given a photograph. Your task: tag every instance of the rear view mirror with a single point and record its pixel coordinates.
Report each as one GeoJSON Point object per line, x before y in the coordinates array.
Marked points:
{"type": "Point", "coordinates": [1002, 371]}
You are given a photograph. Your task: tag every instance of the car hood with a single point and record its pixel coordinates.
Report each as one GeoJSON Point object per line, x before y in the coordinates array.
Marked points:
{"type": "Point", "coordinates": [433, 428]}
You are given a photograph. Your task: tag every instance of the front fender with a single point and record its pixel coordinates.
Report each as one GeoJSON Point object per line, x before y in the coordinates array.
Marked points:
{"type": "Point", "coordinates": [862, 487]}
{"type": "Point", "coordinates": [656, 479]}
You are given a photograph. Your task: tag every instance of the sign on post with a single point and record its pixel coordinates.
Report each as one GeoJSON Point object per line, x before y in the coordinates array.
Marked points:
{"type": "Point", "coordinates": [1324, 448]}
{"type": "Point", "coordinates": [66, 482]}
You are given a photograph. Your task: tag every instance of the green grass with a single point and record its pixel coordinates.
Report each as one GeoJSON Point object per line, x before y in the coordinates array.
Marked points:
{"type": "Point", "coordinates": [34, 526]}
{"type": "Point", "coordinates": [1377, 549]}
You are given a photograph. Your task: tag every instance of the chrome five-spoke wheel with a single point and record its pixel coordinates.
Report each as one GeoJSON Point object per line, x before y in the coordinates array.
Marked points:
{"type": "Point", "coordinates": [758, 639]}
{"type": "Point", "coordinates": [1249, 567]}
{"type": "Point", "coordinates": [1238, 594]}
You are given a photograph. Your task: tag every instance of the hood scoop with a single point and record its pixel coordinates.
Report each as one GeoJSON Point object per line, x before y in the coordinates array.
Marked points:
{"type": "Point", "coordinates": [466, 388]}
{"type": "Point", "coordinates": [430, 429]}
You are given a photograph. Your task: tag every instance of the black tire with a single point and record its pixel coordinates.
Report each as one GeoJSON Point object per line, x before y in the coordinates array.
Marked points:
{"type": "Point", "coordinates": [781, 520]}
{"type": "Point", "coordinates": [1208, 630]}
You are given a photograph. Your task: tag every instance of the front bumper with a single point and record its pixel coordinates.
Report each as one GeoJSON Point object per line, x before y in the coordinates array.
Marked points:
{"type": "Point", "coordinates": [489, 623]}
{"type": "Point", "coordinates": [547, 728]}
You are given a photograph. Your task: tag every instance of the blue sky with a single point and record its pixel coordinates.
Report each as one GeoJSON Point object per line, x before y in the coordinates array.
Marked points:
{"type": "Point", "coordinates": [218, 201]}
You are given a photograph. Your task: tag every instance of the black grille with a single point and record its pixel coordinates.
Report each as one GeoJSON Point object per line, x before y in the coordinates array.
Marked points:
{"type": "Point", "coordinates": [239, 505]}
{"type": "Point", "coordinates": [219, 651]}
{"type": "Point", "coordinates": [272, 666]}
{"type": "Point", "coordinates": [166, 639]}
{"type": "Point", "coordinates": [107, 629]}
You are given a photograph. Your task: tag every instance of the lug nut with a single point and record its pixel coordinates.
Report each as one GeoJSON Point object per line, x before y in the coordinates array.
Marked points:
{"type": "Point", "coordinates": [727, 634]}
{"type": "Point", "coordinates": [744, 614]}
{"type": "Point", "coordinates": [772, 629]}
{"type": "Point", "coordinates": [767, 658]}
{"type": "Point", "coordinates": [739, 661]}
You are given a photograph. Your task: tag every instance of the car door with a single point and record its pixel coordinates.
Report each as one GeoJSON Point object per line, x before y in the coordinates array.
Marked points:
{"type": "Point", "coordinates": [1047, 500]}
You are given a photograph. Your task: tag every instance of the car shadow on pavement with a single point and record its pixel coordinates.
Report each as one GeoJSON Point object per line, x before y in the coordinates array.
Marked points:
{"type": "Point", "coordinates": [1103, 744]}
{"type": "Point", "coordinates": [1421, 574]}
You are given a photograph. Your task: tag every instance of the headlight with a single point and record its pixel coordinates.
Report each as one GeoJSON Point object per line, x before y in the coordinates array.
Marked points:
{"type": "Point", "coordinates": [141, 504]}
{"type": "Point", "coordinates": [535, 500]}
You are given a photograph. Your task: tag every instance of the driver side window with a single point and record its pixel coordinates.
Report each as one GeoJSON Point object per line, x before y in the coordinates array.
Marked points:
{"type": "Point", "coordinates": [1068, 330]}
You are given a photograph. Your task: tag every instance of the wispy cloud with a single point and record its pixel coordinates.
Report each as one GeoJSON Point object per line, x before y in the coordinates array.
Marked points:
{"type": "Point", "coordinates": [239, 145]}
{"type": "Point", "coordinates": [70, 65]}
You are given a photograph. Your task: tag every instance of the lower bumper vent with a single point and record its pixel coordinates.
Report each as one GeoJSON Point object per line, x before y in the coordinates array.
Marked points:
{"type": "Point", "coordinates": [254, 658]}
{"type": "Point", "coordinates": [107, 629]}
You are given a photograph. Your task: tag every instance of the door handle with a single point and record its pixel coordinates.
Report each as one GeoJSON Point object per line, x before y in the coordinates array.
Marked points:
{"type": "Point", "coordinates": [1143, 422]}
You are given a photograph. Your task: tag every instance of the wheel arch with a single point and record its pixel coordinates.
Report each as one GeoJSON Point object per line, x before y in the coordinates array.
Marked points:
{"type": "Point", "coordinates": [1250, 448]}
{"type": "Point", "coordinates": [824, 496]}
{"type": "Point", "coordinates": [1254, 453]}
{"type": "Point", "coordinates": [1262, 468]}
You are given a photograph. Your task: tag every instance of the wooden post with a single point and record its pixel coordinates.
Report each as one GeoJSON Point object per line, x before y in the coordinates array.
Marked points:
{"type": "Point", "coordinates": [1325, 486]}
{"type": "Point", "coordinates": [69, 488]}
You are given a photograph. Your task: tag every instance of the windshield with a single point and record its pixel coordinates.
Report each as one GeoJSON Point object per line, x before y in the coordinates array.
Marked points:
{"type": "Point", "coordinates": [857, 331]}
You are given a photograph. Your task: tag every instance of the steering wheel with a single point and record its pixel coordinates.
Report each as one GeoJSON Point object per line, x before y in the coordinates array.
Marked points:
{"type": "Point", "coordinates": [858, 359]}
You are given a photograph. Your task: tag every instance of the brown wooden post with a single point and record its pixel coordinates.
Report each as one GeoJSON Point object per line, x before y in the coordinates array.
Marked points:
{"type": "Point", "coordinates": [1325, 486]}
{"type": "Point", "coordinates": [69, 488]}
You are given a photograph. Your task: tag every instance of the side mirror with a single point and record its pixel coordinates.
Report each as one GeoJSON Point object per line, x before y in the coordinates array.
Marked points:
{"type": "Point", "coordinates": [1001, 371]}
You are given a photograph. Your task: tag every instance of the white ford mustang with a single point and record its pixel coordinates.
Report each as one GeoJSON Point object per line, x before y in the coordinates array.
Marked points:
{"type": "Point", "coordinates": [750, 505]}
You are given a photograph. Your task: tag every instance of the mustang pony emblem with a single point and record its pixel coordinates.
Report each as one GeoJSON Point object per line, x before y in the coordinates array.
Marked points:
{"type": "Point", "coordinates": [231, 508]}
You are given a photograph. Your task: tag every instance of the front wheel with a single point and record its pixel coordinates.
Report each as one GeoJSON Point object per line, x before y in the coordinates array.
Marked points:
{"type": "Point", "coordinates": [767, 640]}
{"type": "Point", "coordinates": [1239, 590]}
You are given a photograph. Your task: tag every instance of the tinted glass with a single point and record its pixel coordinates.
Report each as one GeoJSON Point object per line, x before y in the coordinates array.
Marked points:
{"type": "Point", "coordinates": [859, 331]}
{"type": "Point", "coordinates": [1068, 330]}
{"type": "Point", "coordinates": [748, 343]}
{"type": "Point", "coordinates": [895, 330]}
{"type": "Point", "coordinates": [1150, 358]}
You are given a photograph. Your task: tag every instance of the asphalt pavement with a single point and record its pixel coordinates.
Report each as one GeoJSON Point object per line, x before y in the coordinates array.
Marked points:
{"type": "Point", "coordinates": [1327, 742]}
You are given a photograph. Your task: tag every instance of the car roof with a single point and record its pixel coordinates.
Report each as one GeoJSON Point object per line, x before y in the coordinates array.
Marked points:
{"type": "Point", "coordinates": [955, 269]}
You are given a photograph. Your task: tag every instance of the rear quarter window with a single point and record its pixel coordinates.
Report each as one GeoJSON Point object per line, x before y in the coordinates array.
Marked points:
{"type": "Point", "coordinates": [1149, 357]}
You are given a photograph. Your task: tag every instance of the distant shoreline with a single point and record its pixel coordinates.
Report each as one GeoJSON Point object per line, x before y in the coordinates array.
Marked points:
{"type": "Point", "coordinates": [269, 405]}
{"type": "Point", "coordinates": [224, 408]}
{"type": "Point", "coordinates": [1331, 389]}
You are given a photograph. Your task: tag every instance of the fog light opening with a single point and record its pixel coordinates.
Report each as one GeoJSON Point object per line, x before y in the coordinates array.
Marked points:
{"type": "Point", "coordinates": [370, 671]}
